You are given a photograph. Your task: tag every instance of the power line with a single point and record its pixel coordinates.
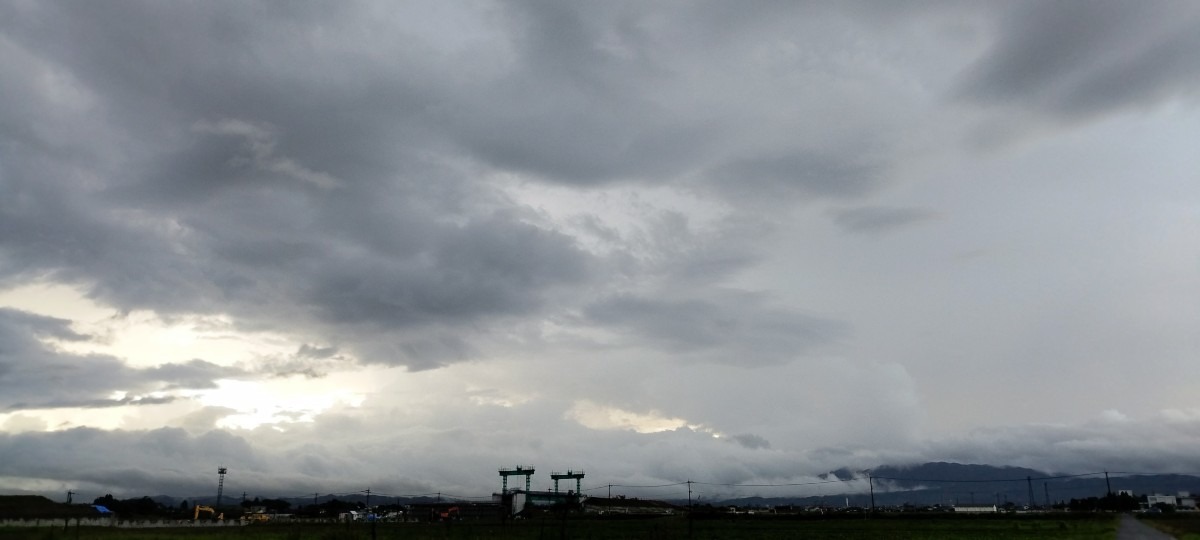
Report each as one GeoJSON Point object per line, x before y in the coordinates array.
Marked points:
{"type": "Point", "coordinates": [776, 485]}
{"type": "Point", "coordinates": [1028, 480]}
{"type": "Point", "coordinates": [641, 486]}
{"type": "Point", "coordinates": [975, 481]}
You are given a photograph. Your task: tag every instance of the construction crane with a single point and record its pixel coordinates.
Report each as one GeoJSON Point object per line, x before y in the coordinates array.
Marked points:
{"type": "Point", "coordinates": [520, 470]}
{"type": "Point", "coordinates": [569, 475]}
{"type": "Point", "coordinates": [210, 511]}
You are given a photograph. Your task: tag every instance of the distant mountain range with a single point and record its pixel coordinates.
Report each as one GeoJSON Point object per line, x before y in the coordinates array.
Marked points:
{"type": "Point", "coordinates": [955, 483]}
{"type": "Point", "coordinates": [920, 485]}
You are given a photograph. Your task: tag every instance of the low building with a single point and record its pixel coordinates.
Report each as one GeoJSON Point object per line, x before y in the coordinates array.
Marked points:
{"type": "Point", "coordinates": [622, 505]}
{"type": "Point", "coordinates": [1153, 500]}
{"type": "Point", "coordinates": [976, 509]}
{"type": "Point", "coordinates": [518, 501]}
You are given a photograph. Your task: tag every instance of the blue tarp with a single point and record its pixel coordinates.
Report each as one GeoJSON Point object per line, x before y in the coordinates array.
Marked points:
{"type": "Point", "coordinates": [101, 509]}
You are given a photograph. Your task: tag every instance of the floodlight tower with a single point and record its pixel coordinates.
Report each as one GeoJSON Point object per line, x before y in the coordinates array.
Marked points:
{"type": "Point", "coordinates": [520, 470]}
{"type": "Point", "coordinates": [220, 484]}
{"type": "Point", "coordinates": [577, 475]}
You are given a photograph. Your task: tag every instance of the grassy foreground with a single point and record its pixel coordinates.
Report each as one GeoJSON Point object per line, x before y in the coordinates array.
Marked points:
{"type": "Point", "coordinates": [950, 528]}
{"type": "Point", "coordinates": [1181, 526]}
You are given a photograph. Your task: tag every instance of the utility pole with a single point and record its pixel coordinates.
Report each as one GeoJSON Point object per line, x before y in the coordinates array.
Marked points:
{"type": "Point", "coordinates": [689, 483]}
{"type": "Point", "coordinates": [368, 498]}
{"type": "Point", "coordinates": [1029, 482]}
{"type": "Point", "coordinates": [1107, 483]}
{"type": "Point", "coordinates": [610, 491]}
{"type": "Point", "coordinates": [871, 481]}
{"type": "Point", "coordinates": [69, 493]}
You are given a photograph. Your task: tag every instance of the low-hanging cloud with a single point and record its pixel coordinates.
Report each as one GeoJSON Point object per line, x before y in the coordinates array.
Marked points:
{"type": "Point", "coordinates": [735, 328]}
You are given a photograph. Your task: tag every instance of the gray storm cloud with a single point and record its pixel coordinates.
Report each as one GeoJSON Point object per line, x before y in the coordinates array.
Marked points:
{"type": "Point", "coordinates": [1077, 60]}
{"type": "Point", "coordinates": [647, 236]}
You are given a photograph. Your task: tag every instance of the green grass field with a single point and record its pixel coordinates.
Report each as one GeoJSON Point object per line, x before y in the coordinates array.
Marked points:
{"type": "Point", "coordinates": [952, 528]}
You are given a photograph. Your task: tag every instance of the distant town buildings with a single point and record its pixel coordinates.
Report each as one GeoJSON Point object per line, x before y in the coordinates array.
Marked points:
{"type": "Point", "coordinates": [1180, 501]}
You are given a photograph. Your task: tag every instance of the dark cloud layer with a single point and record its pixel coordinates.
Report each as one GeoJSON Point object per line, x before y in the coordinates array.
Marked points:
{"type": "Point", "coordinates": [796, 176]}
{"type": "Point", "coordinates": [1076, 60]}
{"type": "Point", "coordinates": [239, 182]}
{"type": "Point", "coordinates": [260, 170]}
{"type": "Point", "coordinates": [879, 219]}
{"type": "Point", "coordinates": [731, 328]}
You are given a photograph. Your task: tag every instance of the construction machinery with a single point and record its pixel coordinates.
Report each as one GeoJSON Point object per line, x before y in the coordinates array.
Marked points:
{"type": "Point", "coordinates": [208, 511]}
{"type": "Point", "coordinates": [256, 518]}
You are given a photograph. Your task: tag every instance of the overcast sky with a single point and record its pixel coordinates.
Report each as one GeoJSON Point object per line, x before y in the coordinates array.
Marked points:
{"type": "Point", "coordinates": [335, 246]}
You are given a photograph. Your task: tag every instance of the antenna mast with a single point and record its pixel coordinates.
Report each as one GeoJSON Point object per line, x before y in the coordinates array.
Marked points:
{"type": "Point", "coordinates": [220, 484]}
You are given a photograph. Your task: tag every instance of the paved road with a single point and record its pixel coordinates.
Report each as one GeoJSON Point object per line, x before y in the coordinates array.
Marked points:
{"type": "Point", "coordinates": [1132, 529]}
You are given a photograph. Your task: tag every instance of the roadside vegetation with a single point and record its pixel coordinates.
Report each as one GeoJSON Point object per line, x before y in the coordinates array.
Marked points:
{"type": "Point", "coordinates": [1183, 526]}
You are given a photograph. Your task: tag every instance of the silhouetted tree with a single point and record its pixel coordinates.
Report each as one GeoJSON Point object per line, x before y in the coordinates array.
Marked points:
{"type": "Point", "coordinates": [275, 505]}
{"type": "Point", "coordinates": [330, 508]}
{"type": "Point", "coordinates": [134, 507]}
{"type": "Point", "coordinates": [108, 502]}
{"type": "Point", "coordinates": [1107, 503]}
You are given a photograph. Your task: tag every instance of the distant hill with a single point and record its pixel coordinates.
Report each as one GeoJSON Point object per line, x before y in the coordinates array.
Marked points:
{"type": "Point", "coordinates": [956, 483]}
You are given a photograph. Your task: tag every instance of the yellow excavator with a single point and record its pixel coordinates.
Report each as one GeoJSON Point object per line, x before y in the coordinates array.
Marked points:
{"type": "Point", "coordinates": [208, 510]}
{"type": "Point", "coordinates": [256, 518]}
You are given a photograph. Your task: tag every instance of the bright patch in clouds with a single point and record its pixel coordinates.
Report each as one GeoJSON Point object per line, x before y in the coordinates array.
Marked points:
{"type": "Point", "coordinates": [54, 300]}
{"type": "Point", "coordinates": [277, 402]}
{"type": "Point", "coordinates": [603, 417]}
{"type": "Point", "coordinates": [495, 398]}
{"type": "Point", "coordinates": [18, 422]}
{"type": "Point", "coordinates": [142, 338]}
